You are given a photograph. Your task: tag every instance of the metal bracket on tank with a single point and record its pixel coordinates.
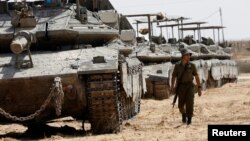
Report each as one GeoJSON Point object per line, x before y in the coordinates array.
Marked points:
{"type": "Point", "coordinates": [24, 63]}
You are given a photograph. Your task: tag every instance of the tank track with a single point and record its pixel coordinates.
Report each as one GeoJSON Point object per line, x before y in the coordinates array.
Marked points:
{"type": "Point", "coordinates": [130, 108]}
{"type": "Point", "coordinates": [104, 105]}
{"type": "Point", "coordinates": [108, 104]}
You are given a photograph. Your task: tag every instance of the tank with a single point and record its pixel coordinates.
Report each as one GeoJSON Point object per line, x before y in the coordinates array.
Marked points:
{"type": "Point", "coordinates": [67, 58]}
{"type": "Point", "coordinates": [213, 62]}
{"type": "Point", "coordinates": [215, 67]}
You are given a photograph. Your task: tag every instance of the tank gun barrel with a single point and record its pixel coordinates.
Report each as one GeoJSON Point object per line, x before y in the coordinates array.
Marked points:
{"type": "Point", "coordinates": [19, 44]}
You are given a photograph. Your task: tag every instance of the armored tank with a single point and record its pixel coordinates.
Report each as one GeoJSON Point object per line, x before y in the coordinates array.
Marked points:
{"type": "Point", "coordinates": [213, 62]}
{"type": "Point", "coordinates": [67, 58]}
{"type": "Point", "coordinates": [215, 67]}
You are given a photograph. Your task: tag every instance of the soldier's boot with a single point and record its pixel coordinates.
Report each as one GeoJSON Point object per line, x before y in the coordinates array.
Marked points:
{"type": "Point", "coordinates": [189, 121]}
{"type": "Point", "coordinates": [184, 118]}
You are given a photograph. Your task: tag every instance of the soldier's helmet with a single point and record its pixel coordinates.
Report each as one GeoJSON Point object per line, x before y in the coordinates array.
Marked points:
{"type": "Point", "coordinates": [185, 51]}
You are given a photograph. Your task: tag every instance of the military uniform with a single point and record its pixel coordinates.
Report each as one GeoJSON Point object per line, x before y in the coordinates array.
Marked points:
{"type": "Point", "coordinates": [185, 87]}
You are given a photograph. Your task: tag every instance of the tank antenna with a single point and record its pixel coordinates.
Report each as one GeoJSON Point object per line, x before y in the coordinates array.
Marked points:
{"type": "Point", "coordinates": [223, 39]}
{"type": "Point", "coordinates": [78, 8]}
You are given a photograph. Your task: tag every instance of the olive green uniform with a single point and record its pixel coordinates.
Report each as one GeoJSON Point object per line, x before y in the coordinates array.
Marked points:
{"type": "Point", "coordinates": [185, 87]}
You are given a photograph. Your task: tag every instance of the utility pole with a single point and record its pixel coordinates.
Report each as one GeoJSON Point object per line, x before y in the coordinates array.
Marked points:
{"type": "Point", "coordinates": [223, 39]}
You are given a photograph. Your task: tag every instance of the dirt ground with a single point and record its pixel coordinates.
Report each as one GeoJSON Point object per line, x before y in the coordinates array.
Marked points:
{"type": "Point", "coordinates": [157, 121]}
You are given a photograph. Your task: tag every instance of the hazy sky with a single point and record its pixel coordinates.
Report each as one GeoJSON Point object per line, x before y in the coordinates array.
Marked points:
{"type": "Point", "coordinates": [235, 13]}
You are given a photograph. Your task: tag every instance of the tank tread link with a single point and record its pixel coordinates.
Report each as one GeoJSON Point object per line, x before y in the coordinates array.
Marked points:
{"type": "Point", "coordinates": [103, 92]}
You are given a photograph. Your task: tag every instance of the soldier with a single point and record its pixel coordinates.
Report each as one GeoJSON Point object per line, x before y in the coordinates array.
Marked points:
{"type": "Point", "coordinates": [184, 71]}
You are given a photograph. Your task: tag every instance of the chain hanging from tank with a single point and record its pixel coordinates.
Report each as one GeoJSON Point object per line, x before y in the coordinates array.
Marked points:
{"type": "Point", "coordinates": [56, 95]}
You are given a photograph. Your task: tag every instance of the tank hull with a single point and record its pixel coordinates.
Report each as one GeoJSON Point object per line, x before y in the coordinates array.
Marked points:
{"type": "Point", "coordinates": [67, 63]}
{"type": "Point", "coordinates": [24, 96]}
{"type": "Point", "coordinates": [92, 87]}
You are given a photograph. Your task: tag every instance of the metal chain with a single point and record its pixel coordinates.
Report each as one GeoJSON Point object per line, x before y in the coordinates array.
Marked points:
{"type": "Point", "coordinates": [59, 95]}
{"type": "Point", "coordinates": [56, 93]}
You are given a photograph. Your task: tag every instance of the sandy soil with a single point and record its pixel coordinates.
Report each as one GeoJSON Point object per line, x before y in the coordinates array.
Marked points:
{"type": "Point", "coordinates": [157, 120]}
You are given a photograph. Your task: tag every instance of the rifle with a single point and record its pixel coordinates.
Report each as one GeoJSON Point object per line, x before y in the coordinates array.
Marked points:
{"type": "Point", "coordinates": [175, 96]}
{"type": "Point", "coordinates": [176, 88]}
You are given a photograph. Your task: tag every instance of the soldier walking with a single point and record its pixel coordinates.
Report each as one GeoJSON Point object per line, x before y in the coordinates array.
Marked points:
{"type": "Point", "coordinates": [182, 84]}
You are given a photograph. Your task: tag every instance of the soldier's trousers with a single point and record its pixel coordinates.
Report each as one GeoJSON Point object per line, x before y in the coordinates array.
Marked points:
{"type": "Point", "coordinates": [185, 93]}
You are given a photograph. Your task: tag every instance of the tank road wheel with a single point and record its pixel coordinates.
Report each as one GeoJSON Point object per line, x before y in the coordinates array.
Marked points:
{"type": "Point", "coordinates": [103, 96]}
